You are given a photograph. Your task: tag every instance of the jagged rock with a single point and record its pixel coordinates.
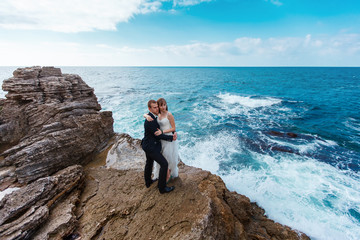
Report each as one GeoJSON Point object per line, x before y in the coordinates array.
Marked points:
{"type": "Point", "coordinates": [49, 121]}
{"type": "Point", "coordinates": [116, 204]}
{"type": "Point", "coordinates": [26, 209]}
{"type": "Point", "coordinates": [61, 221]}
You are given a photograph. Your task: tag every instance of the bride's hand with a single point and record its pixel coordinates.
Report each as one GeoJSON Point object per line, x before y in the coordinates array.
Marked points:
{"type": "Point", "coordinates": [149, 118]}
{"type": "Point", "coordinates": [175, 136]}
{"type": "Point", "coordinates": [158, 132]}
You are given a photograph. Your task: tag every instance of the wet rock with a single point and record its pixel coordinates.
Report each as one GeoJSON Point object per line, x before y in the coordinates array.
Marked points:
{"type": "Point", "coordinates": [292, 135]}
{"type": "Point", "coordinates": [276, 133]}
{"type": "Point", "coordinates": [281, 134]}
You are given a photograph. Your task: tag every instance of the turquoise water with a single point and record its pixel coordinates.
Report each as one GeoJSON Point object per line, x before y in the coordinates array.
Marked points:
{"type": "Point", "coordinates": [288, 138]}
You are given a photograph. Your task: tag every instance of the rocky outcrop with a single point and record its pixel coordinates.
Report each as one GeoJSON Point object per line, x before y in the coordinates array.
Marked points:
{"type": "Point", "coordinates": [48, 121]}
{"type": "Point", "coordinates": [116, 204]}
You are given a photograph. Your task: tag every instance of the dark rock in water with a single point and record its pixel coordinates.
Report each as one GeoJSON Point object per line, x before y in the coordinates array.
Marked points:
{"type": "Point", "coordinates": [276, 133]}
{"type": "Point", "coordinates": [282, 149]}
{"type": "Point", "coordinates": [52, 120]}
{"type": "Point", "coordinates": [280, 134]}
{"type": "Point", "coordinates": [292, 135]}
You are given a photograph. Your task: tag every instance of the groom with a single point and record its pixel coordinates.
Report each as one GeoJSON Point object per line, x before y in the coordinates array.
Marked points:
{"type": "Point", "coordinates": [152, 146]}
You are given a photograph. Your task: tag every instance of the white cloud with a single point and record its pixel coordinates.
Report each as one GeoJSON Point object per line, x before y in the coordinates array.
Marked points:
{"type": "Point", "coordinates": [275, 2]}
{"type": "Point", "coordinates": [71, 15]}
{"type": "Point", "coordinates": [342, 50]}
{"type": "Point", "coordinates": [338, 50]}
{"type": "Point", "coordinates": [189, 2]}
{"type": "Point", "coordinates": [77, 15]}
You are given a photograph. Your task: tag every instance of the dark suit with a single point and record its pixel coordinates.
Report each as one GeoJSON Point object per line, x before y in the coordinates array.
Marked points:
{"type": "Point", "coordinates": [152, 146]}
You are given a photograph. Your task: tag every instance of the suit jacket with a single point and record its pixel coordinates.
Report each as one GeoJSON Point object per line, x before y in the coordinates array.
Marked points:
{"type": "Point", "coordinates": [150, 142]}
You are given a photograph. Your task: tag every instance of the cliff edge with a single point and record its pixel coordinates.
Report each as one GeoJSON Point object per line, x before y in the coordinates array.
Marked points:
{"type": "Point", "coordinates": [72, 178]}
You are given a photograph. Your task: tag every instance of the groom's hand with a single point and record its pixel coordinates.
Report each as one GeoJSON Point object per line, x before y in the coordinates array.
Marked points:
{"type": "Point", "coordinates": [175, 136]}
{"type": "Point", "coordinates": [158, 132]}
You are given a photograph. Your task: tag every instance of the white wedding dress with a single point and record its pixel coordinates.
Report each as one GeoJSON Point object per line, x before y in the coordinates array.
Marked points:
{"type": "Point", "coordinates": [169, 150]}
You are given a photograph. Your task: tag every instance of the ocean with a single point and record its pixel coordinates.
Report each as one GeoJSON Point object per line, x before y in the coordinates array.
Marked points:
{"type": "Point", "coordinates": [286, 137]}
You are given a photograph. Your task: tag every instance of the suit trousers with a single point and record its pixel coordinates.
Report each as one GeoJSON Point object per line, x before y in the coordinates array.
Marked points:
{"type": "Point", "coordinates": [159, 158]}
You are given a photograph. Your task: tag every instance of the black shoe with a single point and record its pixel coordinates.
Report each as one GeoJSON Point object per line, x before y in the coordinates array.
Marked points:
{"type": "Point", "coordinates": [166, 189]}
{"type": "Point", "coordinates": [152, 181]}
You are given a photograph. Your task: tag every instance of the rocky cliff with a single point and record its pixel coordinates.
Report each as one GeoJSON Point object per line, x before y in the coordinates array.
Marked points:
{"type": "Point", "coordinates": [73, 183]}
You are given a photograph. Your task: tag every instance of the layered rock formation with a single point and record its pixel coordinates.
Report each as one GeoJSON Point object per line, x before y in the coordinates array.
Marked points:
{"type": "Point", "coordinates": [50, 121]}
{"type": "Point", "coordinates": [50, 129]}
{"type": "Point", "coordinates": [25, 210]}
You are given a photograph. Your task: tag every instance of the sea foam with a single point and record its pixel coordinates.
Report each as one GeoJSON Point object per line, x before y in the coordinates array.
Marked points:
{"type": "Point", "coordinates": [306, 194]}
{"type": "Point", "coordinates": [248, 101]}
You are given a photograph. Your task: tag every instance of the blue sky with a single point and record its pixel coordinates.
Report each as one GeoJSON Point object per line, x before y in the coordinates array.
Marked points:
{"type": "Point", "coordinates": [180, 33]}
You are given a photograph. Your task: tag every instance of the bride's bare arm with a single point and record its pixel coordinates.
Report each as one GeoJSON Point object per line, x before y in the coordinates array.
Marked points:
{"type": "Point", "coordinates": [172, 123]}
{"type": "Point", "coordinates": [148, 117]}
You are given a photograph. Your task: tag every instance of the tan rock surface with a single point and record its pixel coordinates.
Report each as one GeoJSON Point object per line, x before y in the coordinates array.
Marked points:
{"type": "Point", "coordinates": [116, 204]}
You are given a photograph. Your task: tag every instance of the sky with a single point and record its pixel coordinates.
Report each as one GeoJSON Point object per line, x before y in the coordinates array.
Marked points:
{"type": "Point", "coordinates": [180, 33]}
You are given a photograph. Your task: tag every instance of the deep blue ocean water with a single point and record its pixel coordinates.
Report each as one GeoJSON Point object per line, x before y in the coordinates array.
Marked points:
{"type": "Point", "coordinates": [288, 138]}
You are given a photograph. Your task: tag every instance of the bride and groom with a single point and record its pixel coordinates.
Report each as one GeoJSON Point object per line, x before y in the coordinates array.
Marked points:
{"type": "Point", "coordinates": [159, 144]}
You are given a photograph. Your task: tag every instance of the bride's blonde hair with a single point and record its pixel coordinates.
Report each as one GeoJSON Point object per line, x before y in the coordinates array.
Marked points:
{"type": "Point", "coordinates": [160, 102]}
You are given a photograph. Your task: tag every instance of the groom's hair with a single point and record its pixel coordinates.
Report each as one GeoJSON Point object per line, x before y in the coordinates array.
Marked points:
{"type": "Point", "coordinates": [151, 101]}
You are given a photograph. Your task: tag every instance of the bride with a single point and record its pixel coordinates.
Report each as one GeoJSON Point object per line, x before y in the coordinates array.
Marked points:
{"type": "Point", "coordinates": [168, 149]}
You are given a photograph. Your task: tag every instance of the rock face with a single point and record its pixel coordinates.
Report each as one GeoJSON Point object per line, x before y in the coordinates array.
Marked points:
{"type": "Point", "coordinates": [48, 121]}
{"type": "Point", "coordinates": [50, 124]}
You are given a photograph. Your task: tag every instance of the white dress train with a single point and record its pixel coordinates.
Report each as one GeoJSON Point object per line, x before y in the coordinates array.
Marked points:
{"type": "Point", "coordinates": [169, 150]}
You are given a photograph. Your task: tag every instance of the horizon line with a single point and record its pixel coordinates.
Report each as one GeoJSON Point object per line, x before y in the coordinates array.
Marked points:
{"type": "Point", "coordinates": [203, 66]}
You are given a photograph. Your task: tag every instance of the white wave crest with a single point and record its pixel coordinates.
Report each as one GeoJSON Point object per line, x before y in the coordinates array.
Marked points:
{"type": "Point", "coordinates": [248, 101]}
{"type": "Point", "coordinates": [303, 146]}
{"type": "Point", "coordinates": [303, 193]}
{"type": "Point", "coordinates": [352, 124]}
{"type": "Point", "coordinates": [207, 153]}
